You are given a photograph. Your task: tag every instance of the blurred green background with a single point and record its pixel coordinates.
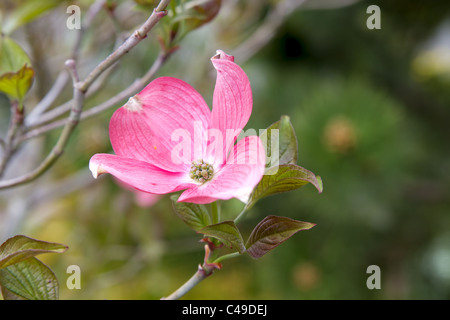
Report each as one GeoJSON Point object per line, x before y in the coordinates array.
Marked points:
{"type": "Point", "coordinates": [370, 109]}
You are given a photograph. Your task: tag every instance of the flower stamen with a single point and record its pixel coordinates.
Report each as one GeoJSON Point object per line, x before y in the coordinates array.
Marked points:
{"type": "Point", "coordinates": [201, 171]}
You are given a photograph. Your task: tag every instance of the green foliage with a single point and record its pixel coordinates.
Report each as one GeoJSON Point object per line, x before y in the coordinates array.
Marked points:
{"type": "Point", "coordinates": [286, 139]}
{"type": "Point", "coordinates": [196, 216]}
{"type": "Point", "coordinates": [184, 17]}
{"type": "Point", "coordinates": [227, 232]}
{"type": "Point", "coordinates": [16, 74]}
{"type": "Point", "coordinates": [283, 179]}
{"type": "Point", "coordinates": [282, 173]}
{"type": "Point", "coordinates": [22, 275]}
{"type": "Point", "coordinates": [25, 13]}
{"type": "Point", "coordinates": [29, 280]}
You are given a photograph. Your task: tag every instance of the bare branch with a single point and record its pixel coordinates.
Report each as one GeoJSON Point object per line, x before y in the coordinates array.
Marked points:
{"type": "Point", "coordinates": [135, 87]}
{"type": "Point", "coordinates": [267, 30]}
{"type": "Point", "coordinates": [129, 44]}
{"type": "Point", "coordinates": [49, 98]}
{"type": "Point", "coordinates": [79, 90]}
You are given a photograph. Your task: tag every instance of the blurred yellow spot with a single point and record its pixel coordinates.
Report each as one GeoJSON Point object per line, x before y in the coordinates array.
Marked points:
{"type": "Point", "coordinates": [432, 63]}
{"type": "Point", "coordinates": [306, 276]}
{"type": "Point", "coordinates": [339, 135]}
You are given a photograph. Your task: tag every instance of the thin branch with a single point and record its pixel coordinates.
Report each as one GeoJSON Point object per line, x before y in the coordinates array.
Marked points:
{"type": "Point", "coordinates": [79, 90]}
{"type": "Point", "coordinates": [137, 36]}
{"type": "Point", "coordinates": [15, 124]}
{"type": "Point", "coordinates": [202, 273]}
{"type": "Point", "coordinates": [93, 10]}
{"type": "Point", "coordinates": [267, 30]}
{"type": "Point", "coordinates": [135, 87]}
{"type": "Point", "coordinates": [49, 98]}
{"type": "Point", "coordinates": [66, 106]}
{"type": "Point", "coordinates": [188, 285]}
{"type": "Point", "coordinates": [61, 80]}
{"type": "Point", "coordinates": [112, 60]}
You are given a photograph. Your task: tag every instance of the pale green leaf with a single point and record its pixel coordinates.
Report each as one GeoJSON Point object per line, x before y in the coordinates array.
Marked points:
{"type": "Point", "coordinates": [19, 248]}
{"type": "Point", "coordinates": [227, 233]}
{"type": "Point", "coordinates": [29, 280]}
{"type": "Point", "coordinates": [27, 12]}
{"type": "Point", "coordinates": [281, 143]}
{"type": "Point", "coordinates": [12, 56]}
{"type": "Point", "coordinates": [16, 73]}
{"type": "Point", "coordinates": [196, 216]}
{"type": "Point", "coordinates": [284, 178]}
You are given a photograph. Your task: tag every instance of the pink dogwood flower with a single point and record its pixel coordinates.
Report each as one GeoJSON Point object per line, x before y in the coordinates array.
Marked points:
{"type": "Point", "coordinates": [166, 139]}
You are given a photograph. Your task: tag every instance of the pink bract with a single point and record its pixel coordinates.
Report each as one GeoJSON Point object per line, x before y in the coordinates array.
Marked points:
{"type": "Point", "coordinates": [166, 139]}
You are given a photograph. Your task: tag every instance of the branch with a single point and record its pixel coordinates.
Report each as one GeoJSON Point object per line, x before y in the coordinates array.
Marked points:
{"type": "Point", "coordinates": [79, 90]}
{"type": "Point", "coordinates": [135, 87]}
{"type": "Point", "coordinates": [267, 30]}
{"type": "Point", "coordinates": [203, 272]}
{"type": "Point", "coordinates": [49, 98]}
{"type": "Point", "coordinates": [137, 36]}
{"type": "Point", "coordinates": [188, 285]}
{"type": "Point", "coordinates": [15, 124]}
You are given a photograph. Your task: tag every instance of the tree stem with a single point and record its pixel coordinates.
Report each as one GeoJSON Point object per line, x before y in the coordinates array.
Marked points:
{"type": "Point", "coordinates": [215, 214]}
{"type": "Point", "coordinates": [188, 285]}
{"type": "Point", "coordinates": [80, 88]}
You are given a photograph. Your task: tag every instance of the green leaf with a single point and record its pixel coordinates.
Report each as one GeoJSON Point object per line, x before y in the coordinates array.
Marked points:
{"type": "Point", "coordinates": [197, 13]}
{"type": "Point", "coordinates": [271, 232]}
{"type": "Point", "coordinates": [16, 73]}
{"type": "Point", "coordinates": [27, 12]}
{"type": "Point", "coordinates": [19, 248]}
{"type": "Point", "coordinates": [284, 178]}
{"type": "Point", "coordinates": [227, 233]}
{"type": "Point", "coordinates": [29, 280]}
{"type": "Point", "coordinates": [17, 84]}
{"type": "Point", "coordinates": [12, 56]}
{"type": "Point", "coordinates": [287, 152]}
{"type": "Point", "coordinates": [196, 216]}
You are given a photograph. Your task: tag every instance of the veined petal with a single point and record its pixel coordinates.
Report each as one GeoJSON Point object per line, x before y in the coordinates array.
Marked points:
{"type": "Point", "coordinates": [232, 100]}
{"type": "Point", "coordinates": [236, 179]}
{"type": "Point", "coordinates": [138, 174]}
{"type": "Point", "coordinates": [160, 117]}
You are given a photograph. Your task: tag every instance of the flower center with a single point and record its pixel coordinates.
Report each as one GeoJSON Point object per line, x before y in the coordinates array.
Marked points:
{"type": "Point", "coordinates": [201, 171]}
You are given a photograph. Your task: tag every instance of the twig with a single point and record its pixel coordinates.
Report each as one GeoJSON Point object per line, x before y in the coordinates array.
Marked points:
{"type": "Point", "coordinates": [49, 98]}
{"type": "Point", "coordinates": [188, 285]}
{"type": "Point", "coordinates": [136, 86]}
{"type": "Point", "coordinates": [15, 123]}
{"type": "Point", "coordinates": [94, 9]}
{"type": "Point", "coordinates": [79, 90]}
{"type": "Point", "coordinates": [35, 118]}
{"type": "Point", "coordinates": [267, 30]}
{"type": "Point", "coordinates": [202, 273]}
{"type": "Point", "coordinates": [137, 36]}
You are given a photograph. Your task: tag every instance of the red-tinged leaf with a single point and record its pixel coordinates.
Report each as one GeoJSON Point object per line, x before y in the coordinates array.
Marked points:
{"type": "Point", "coordinates": [271, 232]}
{"type": "Point", "coordinates": [227, 233]}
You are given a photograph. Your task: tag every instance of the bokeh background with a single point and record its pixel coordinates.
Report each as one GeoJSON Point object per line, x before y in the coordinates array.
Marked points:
{"type": "Point", "coordinates": [371, 112]}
